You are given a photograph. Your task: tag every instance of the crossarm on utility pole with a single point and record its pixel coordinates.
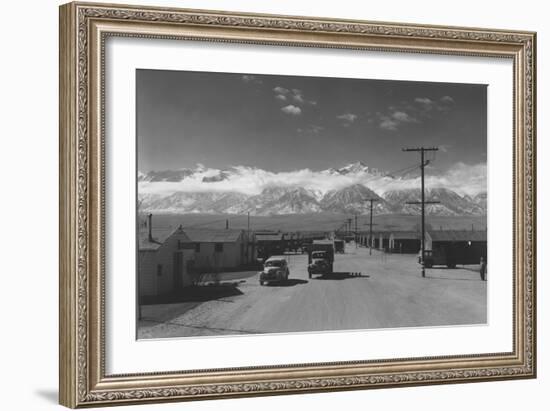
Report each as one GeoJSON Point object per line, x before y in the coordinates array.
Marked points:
{"type": "Point", "coordinates": [425, 202]}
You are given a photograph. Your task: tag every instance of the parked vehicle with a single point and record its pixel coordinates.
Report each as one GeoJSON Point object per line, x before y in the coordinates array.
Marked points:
{"type": "Point", "coordinates": [321, 258]}
{"type": "Point", "coordinates": [450, 255]}
{"type": "Point", "coordinates": [275, 269]}
{"type": "Point", "coordinates": [339, 246]}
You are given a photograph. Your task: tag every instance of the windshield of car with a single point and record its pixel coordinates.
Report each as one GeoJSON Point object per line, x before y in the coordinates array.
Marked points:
{"type": "Point", "coordinates": [318, 254]}
{"type": "Point", "coordinates": [274, 263]}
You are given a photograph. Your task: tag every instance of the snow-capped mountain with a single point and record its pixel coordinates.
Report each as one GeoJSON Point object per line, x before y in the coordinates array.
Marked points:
{"type": "Point", "coordinates": [181, 202]}
{"type": "Point", "coordinates": [173, 176]}
{"type": "Point", "coordinates": [230, 191]}
{"type": "Point", "coordinates": [352, 200]}
{"type": "Point", "coordinates": [282, 200]}
{"type": "Point", "coordinates": [450, 203]}
{"type": "Point", "coordinates": [355, 168]}
{"type": "Point", "coordinates": [481, 200]}
{"type": "Point", "coordinates": [220, 176]}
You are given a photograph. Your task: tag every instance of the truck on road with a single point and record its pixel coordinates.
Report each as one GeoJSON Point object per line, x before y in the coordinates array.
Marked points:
{"type": "Point", "coordinates": [339, 246]}
{"type": "Point", "coordinates": [451, 255]}
{"type": "Point", "coordinates": [320, 257]}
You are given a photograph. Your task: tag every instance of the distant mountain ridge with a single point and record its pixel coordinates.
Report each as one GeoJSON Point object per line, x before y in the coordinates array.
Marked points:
{"type": "Point", "coordinates": [297, 199]}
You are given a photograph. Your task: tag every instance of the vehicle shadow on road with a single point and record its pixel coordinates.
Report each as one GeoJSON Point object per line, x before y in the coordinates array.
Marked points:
{"type": "Point", "coordinates": [341, 276]}
{"type": "Point", "coordinates": [288, 283]}
{"type": "Point", "coordinates": [433, 277]}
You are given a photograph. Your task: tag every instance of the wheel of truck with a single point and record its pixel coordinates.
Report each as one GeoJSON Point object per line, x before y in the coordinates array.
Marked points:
{"type": "Point", "coordinates": [309, 274]}
{"type": "Point", "coordinates": [428, 265]}
{"type": "Point", "coordinates": [261, 282]}
{"type": "Point", "coordinates": [331, 268]}
{"type": "Point", "coordinates": [451, 265]}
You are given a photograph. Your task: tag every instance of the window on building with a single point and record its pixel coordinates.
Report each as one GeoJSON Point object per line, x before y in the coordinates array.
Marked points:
{"type": "Point", "coordinates": [159, 270]}
{"type": "Point", "coordinates": [218, 247]}
{"type": "Point", "coordinates": [197, 247]}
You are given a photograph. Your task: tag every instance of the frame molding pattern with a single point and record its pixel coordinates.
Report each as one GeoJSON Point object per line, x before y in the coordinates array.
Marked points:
{"type": "Point", "coordinates": [77, 389]}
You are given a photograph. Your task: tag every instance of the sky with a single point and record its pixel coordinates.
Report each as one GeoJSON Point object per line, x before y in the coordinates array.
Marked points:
{"type": "Point", "coordinates": [284, 123]}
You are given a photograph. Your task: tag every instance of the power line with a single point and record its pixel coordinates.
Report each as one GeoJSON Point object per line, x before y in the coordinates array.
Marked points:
{"type": "Point", "coordinates": [392, 175]}
{"type": "Point", "coordinates": [400, 171]}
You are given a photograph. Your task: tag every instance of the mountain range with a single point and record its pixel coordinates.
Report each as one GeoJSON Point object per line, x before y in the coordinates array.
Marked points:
{"type": "Point", "coordinates": [280, 199]}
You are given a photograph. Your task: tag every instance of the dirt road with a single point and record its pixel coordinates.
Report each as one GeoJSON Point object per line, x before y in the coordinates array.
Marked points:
{"type": "Point", "coordinates": [389, 292]}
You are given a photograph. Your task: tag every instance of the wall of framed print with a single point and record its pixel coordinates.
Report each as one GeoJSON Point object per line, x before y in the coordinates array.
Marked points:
{"type": "Point", "coordinates": [309, 101]}
{"type": "Point", "coordinates": [176, 121]}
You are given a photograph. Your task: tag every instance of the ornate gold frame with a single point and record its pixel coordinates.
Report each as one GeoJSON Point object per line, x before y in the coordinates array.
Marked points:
{"type": "Point", "coordinates": [83, 30]}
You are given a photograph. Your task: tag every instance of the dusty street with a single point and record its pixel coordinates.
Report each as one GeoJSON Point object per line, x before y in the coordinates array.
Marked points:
{"type": "Point", "coordinates": [378, 291]}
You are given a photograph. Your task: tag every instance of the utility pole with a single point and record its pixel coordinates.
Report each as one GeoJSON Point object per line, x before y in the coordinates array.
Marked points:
{"type": "Point", "coordinates": [349, 226]}
{"type": "Point", "coordinates": [355, 236]}
{"type": "Point", "coordinates": [372, 200]}
{"type": "Point", "coordinates": [423, 201]}
{"type": "Point", "coordinates": [248, 238]}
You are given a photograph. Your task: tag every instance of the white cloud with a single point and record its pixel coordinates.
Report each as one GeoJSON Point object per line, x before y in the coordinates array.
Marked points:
{"type": "Point", "coordinates": [312, 129]}
{"type": "Point", "coordinates": [292, 110]}
{"type": "Point", "coordinates": [295, 95]}
{"type": "Point", "coordinates": [418, 110]}
{"type": "Point", "coordinates": [403, 117]}
{"type": "Point", "coordinates": [426, 105]}
{"type": "Point", "coordinates": [348, 117]}
{"type": "Point", "coordinates": [281, 90]}
{"type": "Point", "coordinates": [298, 98]}
{"type": "Point", "coordinates": [387, 123]}
{"type": "Point", "coordinates": [424, 100]}
{"type": "Point", "coordinates": [462, 178]}
{"type": "Point", "coordinates": [248, 78]}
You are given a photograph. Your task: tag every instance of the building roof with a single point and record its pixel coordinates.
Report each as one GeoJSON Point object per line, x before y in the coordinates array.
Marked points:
{"type": "Point", "coordinates": [312, 234]}
{"type": "Point", "coordinates": [269, 237]}
{"type": "Point", "coordinates": [458, 235]}
{"type": "Point", "coordinates": [213, 236]}
{"type": "Point", "coordinates": [405, 235]}
{"type": "Point", "coordinates": [276, 258]}
{"type": "Point", "coordinates": [323, 242]}
{"type": "Point", "coordinates": [160, 235]}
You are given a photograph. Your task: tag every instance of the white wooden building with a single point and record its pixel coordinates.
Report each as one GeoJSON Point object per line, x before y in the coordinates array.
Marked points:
{"type": "Point", "coordinates": [165, 260]}
{"type": "Point", "coordinates": [220, 250]}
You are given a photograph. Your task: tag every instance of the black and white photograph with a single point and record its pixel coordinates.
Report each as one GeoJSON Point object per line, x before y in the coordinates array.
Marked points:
{"type": "Point", "coordinates": [292, 204]}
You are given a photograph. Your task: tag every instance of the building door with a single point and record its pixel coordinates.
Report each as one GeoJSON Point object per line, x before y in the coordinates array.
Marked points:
{"type": "Point", "coordinates": [178, 268]}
